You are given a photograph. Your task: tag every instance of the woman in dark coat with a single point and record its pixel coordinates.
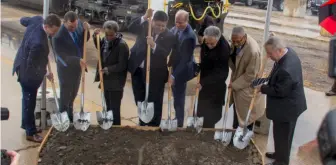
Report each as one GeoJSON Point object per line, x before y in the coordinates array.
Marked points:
{"type": "Point", "coordinates": [114, 55]}
{"type": "Point", "coordinates": [214, 71]}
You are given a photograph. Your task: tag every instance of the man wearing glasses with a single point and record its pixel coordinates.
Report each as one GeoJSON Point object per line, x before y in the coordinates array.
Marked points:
{"type": "Point", "coordinates": [245, 62]}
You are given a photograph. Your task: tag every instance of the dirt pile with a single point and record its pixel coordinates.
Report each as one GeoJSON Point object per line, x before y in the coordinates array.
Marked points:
{"type": "Point", "coordinates": [128, 146]}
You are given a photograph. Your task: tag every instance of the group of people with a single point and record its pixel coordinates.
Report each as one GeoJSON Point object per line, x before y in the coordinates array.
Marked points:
{"type": "Point", "coordinates": [168, 48]}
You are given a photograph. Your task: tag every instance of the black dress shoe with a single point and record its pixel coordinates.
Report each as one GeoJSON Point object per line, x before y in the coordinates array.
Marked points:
{"type": "Point", "coordinates": [270, 155]}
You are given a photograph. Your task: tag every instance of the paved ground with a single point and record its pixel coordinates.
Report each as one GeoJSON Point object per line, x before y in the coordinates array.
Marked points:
{"type": "Point", "coordinates": [314, 63]}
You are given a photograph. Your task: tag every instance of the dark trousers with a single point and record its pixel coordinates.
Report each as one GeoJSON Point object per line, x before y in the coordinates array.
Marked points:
{"type": "Point", "coordinates": [236, 122]}
{"type": "Point", "coordinates": [179, 92]}
{"type": "Point", "coordinates": [68, 92]}
{"type": "Point", "coordinates": [113, 102]}
{"type": "Point", "coordinates": [283, 135]}
{"type": "Point", "coordinates": [29, 94]}
{"type": "Point", "coordinates": [156, 91]}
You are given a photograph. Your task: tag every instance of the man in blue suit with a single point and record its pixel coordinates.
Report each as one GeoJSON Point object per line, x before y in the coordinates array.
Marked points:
{"type": "Point", "coordinates": [68, 45]}
{"type": "Point", "coordinates": [182, 61]}
{"type": "Point", "coordinates": [30, 65]}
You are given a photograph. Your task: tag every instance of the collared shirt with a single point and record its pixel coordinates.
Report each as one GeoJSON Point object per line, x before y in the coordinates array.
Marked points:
{"type": "Point", "coordinates": [156, 36]}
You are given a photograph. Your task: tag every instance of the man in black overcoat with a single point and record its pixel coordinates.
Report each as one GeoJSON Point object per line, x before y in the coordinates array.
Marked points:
{"type": "Point", "coordinates": [285, 97]}
{"type": "Point", "coordinates": [161, 43]}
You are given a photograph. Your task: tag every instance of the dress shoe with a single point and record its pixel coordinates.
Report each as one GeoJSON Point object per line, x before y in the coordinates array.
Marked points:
{"type": "Point", "coordinates": [35, 138]}
{"type": "Point", "coordinates": [270, 155]}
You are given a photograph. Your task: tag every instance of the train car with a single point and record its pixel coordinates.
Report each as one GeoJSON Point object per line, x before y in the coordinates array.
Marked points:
{"type": "Point", "coordinates": [55, 6]}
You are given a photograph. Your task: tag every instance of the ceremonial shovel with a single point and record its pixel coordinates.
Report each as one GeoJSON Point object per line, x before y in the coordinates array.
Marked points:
{"type": "Point", "coordinates": [194, 121]}
{"type": "Point", "coordinates": [169, 124]}
{"type": "Point", "coordinates": [104, 118]}
{"type": "Point", "coordinates": [145, 108]}
{"type": "Point", "coordinates": [60, 121]}
{"type": "Point", "coordinates": [82, 119]}
{"type": "Point", "coordinates": [224, 136]}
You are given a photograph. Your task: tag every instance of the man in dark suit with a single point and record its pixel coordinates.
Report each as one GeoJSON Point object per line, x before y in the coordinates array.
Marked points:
{"type": "Point", "coordinates": [30, 65]}
{"type": "Point", "coordinates": [182, 60]}
{"type": "Point", "coordinates": [285, 97]}
{"type": "Point", "coordinates": [68, 46]}
{"type": "Point", "coordinates": [161, 44]}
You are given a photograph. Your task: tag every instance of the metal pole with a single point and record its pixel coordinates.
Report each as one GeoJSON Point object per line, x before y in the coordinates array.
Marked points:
{"type": "Point", "coordinates": [266, 35]}
{"type": "Point", "coordinates": [44, 83]}
{"type": "Point", "coordinates": [268, 20]}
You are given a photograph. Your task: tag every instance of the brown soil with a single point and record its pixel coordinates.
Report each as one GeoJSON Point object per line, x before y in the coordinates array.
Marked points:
{"type": "Point", "coordinates": [128, 146]}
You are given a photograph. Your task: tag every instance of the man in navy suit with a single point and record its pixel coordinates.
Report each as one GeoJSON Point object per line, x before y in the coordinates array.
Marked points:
{"type": "Point", "coordinates": [68, 45]}
{"type": "Point", "coordinates": [161, 45]}
{"type": "Point", "coordinates": [182, 61]}
{"type": "Point", "coordinates": [30, 65]}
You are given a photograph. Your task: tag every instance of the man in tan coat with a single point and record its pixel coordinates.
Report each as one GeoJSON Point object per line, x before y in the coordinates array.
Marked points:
{"type": "Point", "coordinates": [245, 62]}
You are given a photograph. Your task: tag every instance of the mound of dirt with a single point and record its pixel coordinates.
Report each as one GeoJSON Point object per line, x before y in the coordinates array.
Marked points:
{"type": "Point", "coordinates": [129, 146]}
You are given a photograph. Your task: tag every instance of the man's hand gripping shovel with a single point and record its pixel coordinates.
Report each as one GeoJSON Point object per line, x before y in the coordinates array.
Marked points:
{"type": "Point", "coordinates": [169, 124]}
{"type": "Point", "coordinates": [104, 117]}
{"type": "Point", "coordinates": [82, 119]}
{"type": "Point", "coordinates": [145, 108]}
{"type": "Point", "coordinates": [60, 121]}
{"type": "Point", "coordinates": [195, 122]}
{"type": "Point", "coordinates": [225, 136]}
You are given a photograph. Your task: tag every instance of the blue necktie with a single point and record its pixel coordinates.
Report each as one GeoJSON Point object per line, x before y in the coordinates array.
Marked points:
{"type": "Point", "coordinates": [74, 35]}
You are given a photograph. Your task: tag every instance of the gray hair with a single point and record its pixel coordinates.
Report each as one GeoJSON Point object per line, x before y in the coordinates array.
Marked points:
{"type": "Point", "coordinates": [275, 42]}
{"type": "Point", "coordinates": [213, 31]}
{"type": "Point", "coordinates": [183, 13]}
{"type": "Point", "coordinates": [238, 30]}
{"type": "Point", "coordinates": [111, 25]}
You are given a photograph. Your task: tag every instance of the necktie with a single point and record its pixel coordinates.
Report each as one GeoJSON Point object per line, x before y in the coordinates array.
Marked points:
{"type": "Point", "coordinates": [74, 35]}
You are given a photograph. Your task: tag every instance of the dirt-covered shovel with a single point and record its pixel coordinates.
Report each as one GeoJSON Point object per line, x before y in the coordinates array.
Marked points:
{"type": "Point", "coordinates": [104, 117]}
{"type": "Point", "coordinates": [60, 121]}
{"type": "Point", "coordinates": [145, 108]}
{"type": "Point", "coordinates": [82, 119]}
{"type": "Point", "coordinates": [225, 136]}
{"type": "Point", "coordinates": [195, 122]}
{"type": "Point", "coordinates": [169, 124]}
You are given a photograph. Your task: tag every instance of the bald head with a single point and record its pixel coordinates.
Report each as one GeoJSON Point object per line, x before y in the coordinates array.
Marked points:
{"type": "Point", "coordinates": [181, 19]}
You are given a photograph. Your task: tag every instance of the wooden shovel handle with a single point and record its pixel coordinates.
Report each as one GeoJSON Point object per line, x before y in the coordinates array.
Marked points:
{"type": "Point", "coordinates": [255, 92]}
{"type": "Point", "coordinates": [52, 82]}
{"type": "Point", "coordinates": [84, 58]}
{"type": "Point", "coordinates": [148, 51]}
{"type": "Point", "coordinates": [170, 87]}
{"type": "Point", "coordinates": [197, 89]}
{"type": "Point", "coordinates": [100, 64]}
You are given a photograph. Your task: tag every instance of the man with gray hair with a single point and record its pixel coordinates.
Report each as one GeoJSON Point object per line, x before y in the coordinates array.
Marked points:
{"type": "Point", "coordinates": [182, 61]}
{"type": "Point", "coordinates": [114, 55]}
{"type": "Point", "coordinates": [215, 52]}
{"type": "Point", "coordinates": [245, 62]}
{"type": "Point", "coordinates": [285, 97]}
